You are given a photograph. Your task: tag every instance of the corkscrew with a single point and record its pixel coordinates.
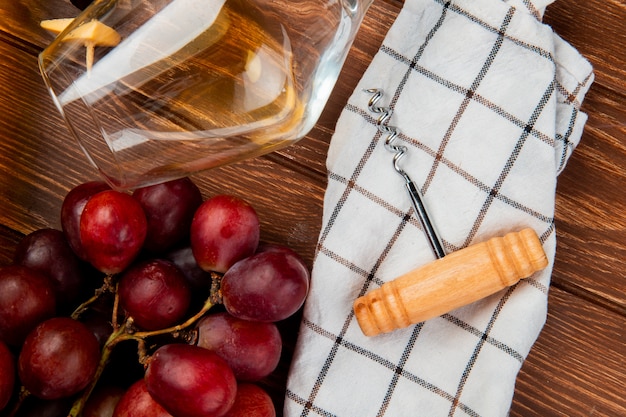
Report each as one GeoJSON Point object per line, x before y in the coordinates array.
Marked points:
{"type": "Point", "coordinates": [451, 281]}
{"type": "Point", "coordinates": [399, 151]}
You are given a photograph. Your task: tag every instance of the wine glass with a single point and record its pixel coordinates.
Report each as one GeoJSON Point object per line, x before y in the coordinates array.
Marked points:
{"type": "Point", "coordinates": [157, 90]}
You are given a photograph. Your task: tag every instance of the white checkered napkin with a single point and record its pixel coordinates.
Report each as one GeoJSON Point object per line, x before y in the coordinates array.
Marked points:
{"type": "Point", "coordinates": [486, 99]}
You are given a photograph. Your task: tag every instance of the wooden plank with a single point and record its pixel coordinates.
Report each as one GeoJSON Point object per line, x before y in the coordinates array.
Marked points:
{"type": "Point", "coordinates": [39, 158]}
{"type": "Point", "coordinates": [8, 241]}
{"type": "Point", "coordinates": [590, 203]}
{"type": "Point", "coordinates": [576, 367]}
{"type": "Point", "coordinates": [597, 30]}
{"type": "Point", "coordinates": [20, 20]}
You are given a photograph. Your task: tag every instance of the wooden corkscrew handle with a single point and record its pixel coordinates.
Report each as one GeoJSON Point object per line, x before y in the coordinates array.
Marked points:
{"type": "Point", "coordinates": [453, 281]}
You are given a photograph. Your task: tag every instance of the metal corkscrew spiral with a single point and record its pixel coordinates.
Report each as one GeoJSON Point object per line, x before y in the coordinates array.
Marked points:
{"type": "Point", "coordinates": [382, 123]}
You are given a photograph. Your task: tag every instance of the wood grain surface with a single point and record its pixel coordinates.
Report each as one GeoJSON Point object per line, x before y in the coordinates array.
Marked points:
{"type": "Point", "coordinates": [577, 367]}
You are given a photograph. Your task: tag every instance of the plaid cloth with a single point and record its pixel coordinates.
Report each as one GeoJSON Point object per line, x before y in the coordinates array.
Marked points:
{"type": "Point", "coordinates": [486, 99]}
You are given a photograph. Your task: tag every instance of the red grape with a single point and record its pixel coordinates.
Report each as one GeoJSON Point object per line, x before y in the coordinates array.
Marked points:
{"type": "Point", "coordinates": [225, 229]}
{"type": "Point", "coordinates": [155, 294]}
{"type": "Point", "coordinates": [113, 227]}
{"type": "Point", "coordinates": [190, 381]}
{"type": "Point", "coordinates": [7, 374]}
{"type": "Point", "coordinates": [251, 401]}
{"type": "Point", "coordinates": [102, 401]}
{"type": "Point", "coordinates": [26, 298]}
{"type": "Point", "coordinates": [47, 251]}
{"type": "Point", "coordinates": [58, 359]}
{"type": "Point", "coordinates": [251, 349]}
{"type": "Point", "coordinates": [268, 286]}
{"type": "Point", "coordinates": [137, 402]}
{"type": "Point", "coordinates": [169, 208]}
{"type": "Point", "coordinates": [71, 210]}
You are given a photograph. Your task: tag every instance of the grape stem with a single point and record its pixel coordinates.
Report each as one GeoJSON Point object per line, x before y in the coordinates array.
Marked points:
{"type": "Point", "coordinates": [24, 393]}
{"type": "Point", "coordinates": [107, 286]}
{"type": "Point", "coordinates": [216, 288]}
{"type": "Point", "coordinates": [79, 404]}
{"type": "Point", "coordinates": [125, 332]}
{"type": "Point", "coordinates": [116, 306]}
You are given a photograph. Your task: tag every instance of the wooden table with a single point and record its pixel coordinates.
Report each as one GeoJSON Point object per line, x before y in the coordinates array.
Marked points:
{"type": "Point", "coordinates": [578, 365]}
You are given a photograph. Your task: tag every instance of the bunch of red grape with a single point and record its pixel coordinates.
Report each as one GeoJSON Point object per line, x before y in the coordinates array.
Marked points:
{"type": "Point", "coordinates": [183, 280]}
